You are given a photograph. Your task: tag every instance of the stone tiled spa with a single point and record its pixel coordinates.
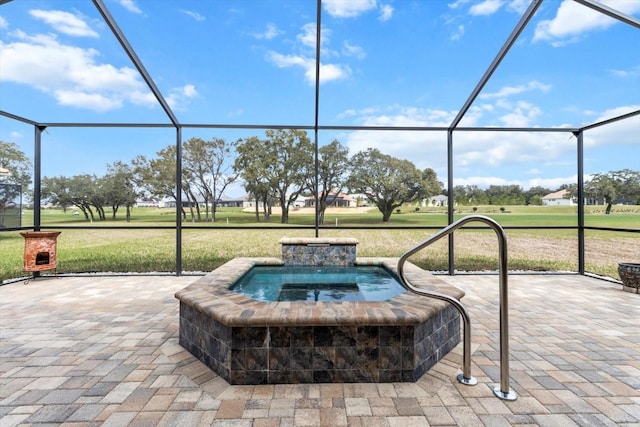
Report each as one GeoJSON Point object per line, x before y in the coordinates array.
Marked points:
{"type": "Point", "coordinates": [251, 342]}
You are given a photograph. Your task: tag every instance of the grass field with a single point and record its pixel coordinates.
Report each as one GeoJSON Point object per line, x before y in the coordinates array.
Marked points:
{"type": "Point", "coordinates": [211, 244]}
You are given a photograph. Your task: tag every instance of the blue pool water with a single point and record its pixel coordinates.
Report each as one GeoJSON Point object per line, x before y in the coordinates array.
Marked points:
{"type": "Point", "coordinates": [285, 283]}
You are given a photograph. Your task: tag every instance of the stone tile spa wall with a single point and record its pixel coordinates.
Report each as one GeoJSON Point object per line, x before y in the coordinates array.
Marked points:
{"type": "Point", "coordinates": [250, 342]}
{"type": "Point", "coordinates": [319, 252]}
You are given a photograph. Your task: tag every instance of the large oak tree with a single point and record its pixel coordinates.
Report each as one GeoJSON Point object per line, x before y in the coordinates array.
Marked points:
{"type": "Point", "coordinates": [389, 182]}
{"type": "Point", "coordinates": [283, 161]}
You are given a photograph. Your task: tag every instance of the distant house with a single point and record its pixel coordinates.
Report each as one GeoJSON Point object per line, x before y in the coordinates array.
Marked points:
{"type": "Point", "coordinates": [439, 200]}
{"type": "Point", "coordinates": [171, 203]}
{"type": "Point", "coordinates": [558, 199]}
{"type": "Point", "coordinates": [334, 200]}
{"type": "Point", "coordinates": [230, 203]}
{"type": "Point", "coordinates": [147, 203]}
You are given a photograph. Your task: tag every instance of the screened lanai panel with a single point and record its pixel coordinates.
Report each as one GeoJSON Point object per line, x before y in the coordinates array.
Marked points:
{"type": "Point", "coordinates": [90, 162]}
{"type": "Point", "coordinates": [571, 66]}
{"type": "Point", "coordinates": [605, 249]}
{"type": "Point", "coordinates": [523, 159]}
{"type": "Point", "coordinates": [404, 63]}
{"type": "Point", "coordinates": [612, 171]}
{"type": "Point", "coordinates": [514, 178]}
{"type": "Point", "coordinates": [61, 63]}
{"type": "Point", "coordinates": [617, 182]}
{"type": "Point", "coordinates": [206, 249]}
{"type": "Point", "coordinates": [100, 250]}
{"type": "Point", "coordinates": [227, 61]}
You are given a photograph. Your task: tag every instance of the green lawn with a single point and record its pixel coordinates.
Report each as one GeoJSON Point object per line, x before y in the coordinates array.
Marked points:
{"type": "Point", "coordinates": [154, 250]}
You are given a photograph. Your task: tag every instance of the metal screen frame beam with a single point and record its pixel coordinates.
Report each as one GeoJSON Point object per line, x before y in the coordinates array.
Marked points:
{"type": "Point", "coordinates": [524, 20]}
{"type": "Point", "coordinates": [613, 13]}
{"type": "Point", "coordinates": [115, 29]}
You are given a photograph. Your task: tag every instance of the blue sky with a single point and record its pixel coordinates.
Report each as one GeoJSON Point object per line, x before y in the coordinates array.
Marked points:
{"type": "Point", "coordinates": [383, 63]}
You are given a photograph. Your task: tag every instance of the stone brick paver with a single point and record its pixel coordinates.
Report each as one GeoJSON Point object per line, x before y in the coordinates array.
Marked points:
{"type": "Point", "coordinates": [104, 351]}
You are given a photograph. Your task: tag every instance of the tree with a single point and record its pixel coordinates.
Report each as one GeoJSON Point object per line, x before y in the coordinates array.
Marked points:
{"type": "Point", "coordinates": [621, 186]}
{"type": "Point", "coordinates": [534, 195]}
{"type": "Point", "coordinates": [252, 165]}
{"type": "Point", "coordinates": [15, 174]}
{"type": "Point", "coordinates": [469, 195]}
{"type": "Point", "coordinates": [205, 164]}
{"type": "Point", "coordinates": [389, 182]}
{"type": "Point", "coordinates": [505, 195]}
{"type": "Point", "coordinates": [628, 183]}
{"type": "Point", "coordinates": [158, 177]}
{"type": "Point", "coordinates": [284, 161]}
{"type": "Point", "coordinates": [17, 165]}
{"type": "Point", "coordinates": [119, 189]}
{"type": "Point", "coordinates": [333, 166]}
{"type": "Point", "coordinates": [82, 191]}
{"type": "Point", "coordinates": [602, 187]}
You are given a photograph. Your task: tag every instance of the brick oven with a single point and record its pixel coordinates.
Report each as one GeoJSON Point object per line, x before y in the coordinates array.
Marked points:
{"type": "Point", "coordinates": [40, 250]}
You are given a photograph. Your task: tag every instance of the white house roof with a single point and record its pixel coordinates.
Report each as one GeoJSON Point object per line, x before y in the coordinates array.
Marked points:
{"type": "Point", "coordinates": [556, 195]}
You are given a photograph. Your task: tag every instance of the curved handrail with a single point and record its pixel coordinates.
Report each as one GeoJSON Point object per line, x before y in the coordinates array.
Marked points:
{"type": "Point", "coordinates": [503, 392]}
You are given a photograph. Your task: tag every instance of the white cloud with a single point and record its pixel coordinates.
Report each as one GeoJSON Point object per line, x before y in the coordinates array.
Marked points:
{"type": "Point", "coordinates": [507, 91]}
{"type": "Point", "coordinates": [179, 97]}
{"type": "Point", "coordinates": [540, 154]}
{"type": "Point", "coordinates": [630, 73]}
{"type": "Point", "coordinates": [64, 22]}
{"type": "Point", "coordinates": [457, 35]}
{"type": "Point", "coordinates": [429, 146]}
{"type": "Point", "coordinates": [269, 33]}
{"type": "Point", "coordinates": [328, 72]}
{"type": "Point", "coordinates": [472, 149]}
{"type": "Point", "coordinates": [70, 74]}
{"type": "Point", "coordinates": [458, 3]}
{"type": "Point", "coordinates": [487, 7]}
{"type": "Point", "coordinates": [285, 61]}
{"type": "Point", "coordinates": [356, 51]}
{"type": "Point", "coordinates": [572, 20]}
{"type": "Point", "coordinates": [386, 12]}
{"type": "Point", "coordinates": [523, 115]}
{"type": "Point", "coordinates": [130, 5]}
{"type": "Point", "coordinates": [195, 15]}
{"type": "Point", "coordinates": [189, 91]}
{"type": "Point", "coordinates": [87, 100]}
{"type": "Point", "coordinates": [518, 6]}
{"type": "Point", "coordinates": [3, 23]}
{"type": "Point", "coordinates": [495, 149]}
{"type": "Point", "coordinates": [308, 35]}
{"type": "Point", "coordinates": [623, 132]}
{"type": "Point", "coordinates": [235, 113]}
{"type": "Point", "coordinates": [348, 9]}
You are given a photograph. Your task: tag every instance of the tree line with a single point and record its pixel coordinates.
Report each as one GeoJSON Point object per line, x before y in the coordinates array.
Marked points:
{"type": "Point", "coordinates": [275, 171]}
{"type": "Point", "coordinates": [615, 187]}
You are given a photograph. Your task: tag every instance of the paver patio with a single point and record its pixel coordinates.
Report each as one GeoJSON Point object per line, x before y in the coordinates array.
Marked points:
{"type": "Point", "coordinates": [104, 351]}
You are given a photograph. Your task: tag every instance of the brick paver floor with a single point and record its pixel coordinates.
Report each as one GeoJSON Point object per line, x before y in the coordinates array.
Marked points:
{"type": "Point", "coordinates": [84, 351]}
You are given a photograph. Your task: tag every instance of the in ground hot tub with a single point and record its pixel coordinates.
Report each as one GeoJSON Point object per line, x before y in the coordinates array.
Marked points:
{"type": "Point", "coordinates": [247, 341]}
{"type": "Point", "coordinates": [272, 283]}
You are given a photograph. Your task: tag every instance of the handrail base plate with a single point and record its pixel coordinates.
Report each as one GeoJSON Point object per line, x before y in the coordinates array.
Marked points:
{"type": "Point", "coordinates": [466, 381]}
{"type": "Point", "coordinates": [511, 395]}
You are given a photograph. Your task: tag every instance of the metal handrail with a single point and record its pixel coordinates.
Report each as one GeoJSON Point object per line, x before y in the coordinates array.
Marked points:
{"type": "Point", "coordinates": [502, 392]}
